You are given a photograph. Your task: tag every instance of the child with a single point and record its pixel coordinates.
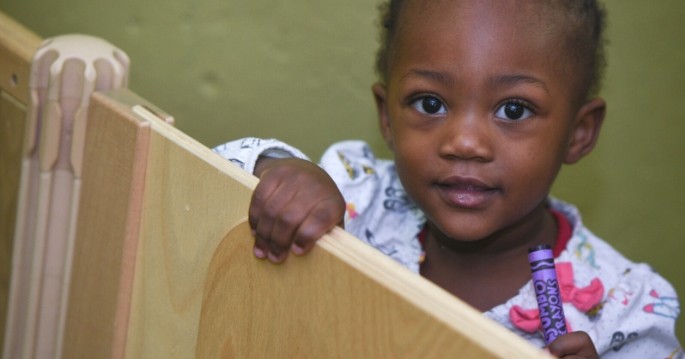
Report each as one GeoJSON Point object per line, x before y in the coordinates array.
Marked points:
{"type": "Point", "coordinates": [481, 102]}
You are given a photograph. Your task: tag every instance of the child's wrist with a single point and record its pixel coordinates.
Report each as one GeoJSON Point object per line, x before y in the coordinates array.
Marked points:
{"type": "Point", "coordinates": [267, 157]}
{"type": "Point", "coordinates": [262, 164]}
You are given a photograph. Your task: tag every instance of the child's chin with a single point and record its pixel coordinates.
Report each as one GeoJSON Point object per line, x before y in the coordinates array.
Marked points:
{"type": "Point", "coordinates": [465, 234]}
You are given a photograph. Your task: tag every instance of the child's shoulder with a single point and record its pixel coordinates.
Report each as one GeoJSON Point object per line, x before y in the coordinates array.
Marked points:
{"type": "Point", "coordinates": [618, 300]}
{"type": "Point", "coordinates": [593, 257]}
{"type": "Point", "coordinates": [353, 150]}
{"type": "Point", "coordinates": [354, 160]}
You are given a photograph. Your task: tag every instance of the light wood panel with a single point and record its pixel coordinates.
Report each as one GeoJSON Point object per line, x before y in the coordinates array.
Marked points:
{"type": "Point", "coordinates": [107, 232]}
{"type": "Point", "coordinates": [17, 46]}
{"type": "Point", "coordinates": [342, 300]}
{"type": "Point", "coordinates": [192, 198]}
{"type": "Point", "coordinates": [169, 252]}
{"type": "Point", "coordinates": [12, 115]}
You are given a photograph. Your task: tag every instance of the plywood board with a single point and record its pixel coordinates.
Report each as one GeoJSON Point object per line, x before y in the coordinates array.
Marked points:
{"type": "Point", "coordinates": [107, 230]}
{"type": "Point", "coordinates": [343, 300]}
{"type": "Point", "coordinates": [170, 198]}
{"type": "Point", "coordinates": [192, 198]}
{"type": "Point", "coordinates": [12, 114]}
{"type": "Point", "coordinates": [17, 46]}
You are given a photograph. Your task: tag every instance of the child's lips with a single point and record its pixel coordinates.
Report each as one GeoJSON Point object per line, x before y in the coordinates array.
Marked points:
{"type": "Point", "coordinates": [466, 192]}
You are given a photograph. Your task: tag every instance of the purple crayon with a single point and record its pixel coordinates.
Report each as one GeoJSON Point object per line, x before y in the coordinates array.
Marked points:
{"type": "Point", "coordinates": [547, 292]}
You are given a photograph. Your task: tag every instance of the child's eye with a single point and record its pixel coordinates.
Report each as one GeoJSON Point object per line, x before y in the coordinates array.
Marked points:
{"type": "Point", "coordinates": [513, 110]}
{"type": "Point", "coordinates": [429, 105]}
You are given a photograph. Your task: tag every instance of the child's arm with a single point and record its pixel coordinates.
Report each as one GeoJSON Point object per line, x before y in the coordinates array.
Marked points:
{"type": "Point", "coordinates": [294, 204]}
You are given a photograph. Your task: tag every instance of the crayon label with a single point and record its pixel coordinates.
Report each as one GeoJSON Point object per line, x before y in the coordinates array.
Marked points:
{"type": "Point", "coordinates": [547, 294]}
{"type": "Point", "coordinates": [551, 311]}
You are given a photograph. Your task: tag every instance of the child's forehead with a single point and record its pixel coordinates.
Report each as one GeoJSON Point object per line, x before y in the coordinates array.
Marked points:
{"type": "Point", "coordinates": [481, 29]}
{"type": "Point", "coordinates": [570, 33]}
{"type": "Point", "coordinates": [523, 14]}
{"type": "Point", "coordinates": [480, 41]}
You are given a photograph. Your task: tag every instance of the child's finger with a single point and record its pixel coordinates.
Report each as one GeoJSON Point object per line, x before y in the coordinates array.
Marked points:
{"type": "Point", "coordinates": [268, 199]}
{"type": "Point", "coordinates": [577, 344]}
{"type": "Point", "coordinates": [321, 219]}
{"type": "Point", "coordinates": [259, 198]}
{"type": "Point", "coordinates": [261, 247]}
{"type": "Point", "coordinates": [269, 213]}
{"type": "Point", "coordinates": [277, 258]}
{"type": "Point", "coordinates": [291, 218]}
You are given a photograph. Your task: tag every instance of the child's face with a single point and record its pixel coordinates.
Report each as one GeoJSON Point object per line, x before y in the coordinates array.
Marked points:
{"type": "Point", "coordinates": [478, 111]}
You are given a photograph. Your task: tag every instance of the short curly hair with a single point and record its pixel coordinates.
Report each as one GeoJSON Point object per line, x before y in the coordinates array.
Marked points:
{"type": "Point", "coordinates": [585, 22]}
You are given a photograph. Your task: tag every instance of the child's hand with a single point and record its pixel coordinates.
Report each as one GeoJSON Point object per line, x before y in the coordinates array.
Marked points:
{"type": "Point", "coordinates": [576, 345]}
{"type": "Point", "coordinates": [294, 204]}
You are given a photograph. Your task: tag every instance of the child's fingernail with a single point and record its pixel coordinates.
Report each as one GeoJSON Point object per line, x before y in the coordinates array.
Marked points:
{"type": "Point", "coordinates": [259, 253]}
{"type": "Point", "coordinates": [273, 258]}
{"type": "Point", "coordinates": [297, 249]}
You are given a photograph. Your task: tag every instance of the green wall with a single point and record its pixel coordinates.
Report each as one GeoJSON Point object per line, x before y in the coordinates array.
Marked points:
{"type": "Point", "coordinates": [301, 71]}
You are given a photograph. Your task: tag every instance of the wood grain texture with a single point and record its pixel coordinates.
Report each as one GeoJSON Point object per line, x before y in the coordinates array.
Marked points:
{"type": "Point", "coordinates": [107, 231]}
{"type": "Point", "coordinates": [342, 300]}
{"type": "Point", "coordinates": [152, 220]}
{"type": "Point", "coordinates": [17, 46]}
{"type": "Point", "coordinates": [192, 199]}
{"type": "Point", "coordinates": [12, 115]}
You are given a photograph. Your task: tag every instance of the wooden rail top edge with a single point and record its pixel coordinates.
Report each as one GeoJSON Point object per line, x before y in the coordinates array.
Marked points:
{"type": "Point", "coordinates": [17, 47]}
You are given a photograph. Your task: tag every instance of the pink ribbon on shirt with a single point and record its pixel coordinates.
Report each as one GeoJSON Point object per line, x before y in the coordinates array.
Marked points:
{"type": "Point", "coordinates": [584, 299]}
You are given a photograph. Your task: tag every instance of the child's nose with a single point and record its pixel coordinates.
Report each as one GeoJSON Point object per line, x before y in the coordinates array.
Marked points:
{"type": "Point", "coordinates": [466, 137]}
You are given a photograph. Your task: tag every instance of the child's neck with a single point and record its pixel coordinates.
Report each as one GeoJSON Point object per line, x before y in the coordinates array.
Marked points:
{"type": "Point", "coordinates": [488, 272]}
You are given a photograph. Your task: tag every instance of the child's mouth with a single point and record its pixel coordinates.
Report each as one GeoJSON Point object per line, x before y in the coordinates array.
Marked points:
{"type": "Point", "coordinates": [466, 192]}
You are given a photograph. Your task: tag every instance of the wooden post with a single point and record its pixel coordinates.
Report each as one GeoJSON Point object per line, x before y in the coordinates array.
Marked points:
{"type": "Point", "coordinates": [64, 73]}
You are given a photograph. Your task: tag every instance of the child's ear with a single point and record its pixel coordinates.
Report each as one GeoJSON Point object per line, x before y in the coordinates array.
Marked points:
{"type": "Point", "coordinates": [585, 132]}
{"type": "Point", "coordinates": [380, 94]}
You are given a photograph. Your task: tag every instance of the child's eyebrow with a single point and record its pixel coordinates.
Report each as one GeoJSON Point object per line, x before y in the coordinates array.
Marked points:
{"type": "Point", "coordinates": [515, 79]}
{"type": "Point", "coordinates": [429, 74]}
{"type": "Point", "coordinates": [495, 81]}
